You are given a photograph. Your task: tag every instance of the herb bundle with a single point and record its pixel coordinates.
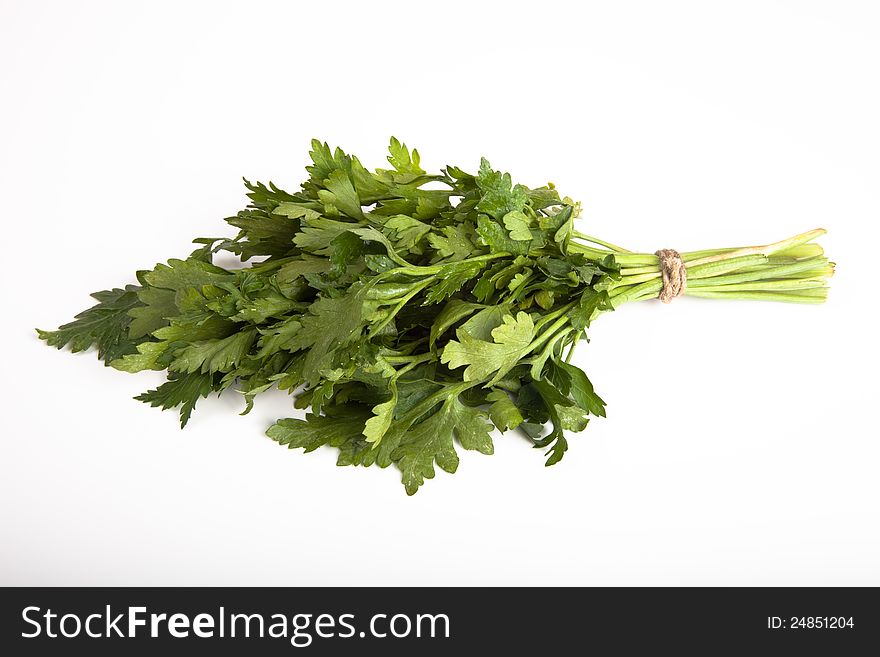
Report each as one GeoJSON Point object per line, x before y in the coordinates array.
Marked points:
{"type": "Point", "coordinates": [407, 311]}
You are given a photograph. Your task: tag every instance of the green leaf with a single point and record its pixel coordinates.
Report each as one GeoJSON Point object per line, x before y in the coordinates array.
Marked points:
{"type": "Point", "coordinates": [454, 311]}
{"type": "Point", "coordinates": [589, 304]}
{"type": "Point", "coordinates": [510, 342]}
{"type": "Point", "coordinates": [330, 324]}
{"type": "Point", "coordinates": [545, 299]}
{"type": "Point", "coordinates": [342, 194]}
{"type": "Point", "coordinates": [368, 185]}
{"type": "Point", "coordinates": [268, 234]}
{"type": "Point", "coordinates": [431, 441]}
{"type": "Point", "coordinates": [334, 429]}
{"type": "Point", "coordinates": [451, 278]}
{"type": "Point", "coordinates": [340, 427]}
{"type": "Point", "coordinates": [563, 415]}
{"type": "Point", "coordinates": [147, 358]}
{"type": "Point", "coordinates": [485, 287]}
{"type": "Point", "coordinates": [454, 243]}
{"type": "Point", "coordinates": [562, 234]}
{"type": "Point", "coordinates": [317, 235]}
{"type": "Point", "coordinates": [182, 390]}
{"type": "Point", "coordinates": [543, 197]}
{"type": "Point", "coordinates": [278, 337]}
{"type": "Point", "coordinates": [498, 194]}
{"type": "Point", "coordinates": [401, 159]}
{"type": "Point", "coordinates": [266, 198]}
{"type": "Point", "coordinates": [481, 325]}
{"type": "Point", "coordinates": [158, 306]}
{"type": "Point", "coordinates": [104, 325]}
{"type": "Point", "coordinates": [408, 232]}
{"type": "Point", "coordinates": [496, 238]}
{"type": "Point", "coordinates": [519, 280]}
{"type": "Point", "coordinates": [306, 264]}
{"type": "Point", "coordinates": [572, 418]}
{"type": "Point", "coordinates": [503, 412]}
{"type": "Point", "coordinates": [572, 381]}
{"type": "Point", "coordinates": [215, 355]}
{"type": "Point", "coordinates": [194, 326]}
{"type": "Point", "coordinates": [383, 414]}
{"type": "Point", "coordinates": [183, 274]}
{"type": "Point", "coordinates": [369, 234]}
{"type": "Point", "coordinates": [345, 249]}
{"type": "Point", "coordinates": [324, 163]}
{"type": "Point", "coordinates": [518, 225]}
{"type": "Point", "coordinates": [291, 210]}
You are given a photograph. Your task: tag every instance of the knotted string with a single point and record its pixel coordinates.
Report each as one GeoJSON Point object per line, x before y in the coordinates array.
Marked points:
{"type": "Point", "coordinates": [674, 274]}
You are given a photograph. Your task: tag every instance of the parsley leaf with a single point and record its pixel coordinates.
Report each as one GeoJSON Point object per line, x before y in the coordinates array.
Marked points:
{"type": "Point", "coordinates": [431, 441]}
{"type": "Point", "coordinates": [104, 326]}
{"type": "Point", "coordinates": [182, 390]}
{"type": "Point", "coordinates": [510, 342]}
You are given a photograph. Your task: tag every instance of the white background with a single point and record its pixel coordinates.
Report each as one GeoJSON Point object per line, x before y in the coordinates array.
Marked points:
{"type": "Point", "coordinates": [741, 445]}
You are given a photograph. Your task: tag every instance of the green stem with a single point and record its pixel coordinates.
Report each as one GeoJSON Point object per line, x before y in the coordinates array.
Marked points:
{"type": "Point", "coordinates": [763, 285]}
{"type": "Point", "coordinates": [415, 358]}
{"type": "Point", "coordinates": [546, 319]}
{"type": "Point", "coordinates": [759, 273]}
{"type": "Point", "coordinates": [546, 335]}
{"type": "Point", "coordinates": [574, 341]}
{"type": "Point", "coordinates": [549, 347]}
{"type": "Point", "coordinates": [417, 270]}
{"type": "Point", "coordinates": [418, 287]}
{"type": "Point", "coordinates": [797, 296]}
{"type": "Point", "coordinates": [596, 240]}
{"type": "Point", "coordinates": [792, 270]}
{"type": "Point", "coordinates": [415, 362]}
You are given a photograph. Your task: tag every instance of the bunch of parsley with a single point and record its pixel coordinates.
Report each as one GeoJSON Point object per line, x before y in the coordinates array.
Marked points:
{"type": "Point", "coordinates": [407, 311]}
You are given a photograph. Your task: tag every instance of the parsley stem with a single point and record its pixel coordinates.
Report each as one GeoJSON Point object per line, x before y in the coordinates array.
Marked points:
{"type": "Point", "coordinates": [271, 265]}
{"type": "Point", "coordinates": [708, 269]}
{"type": "Point", "coordinates": [574, 341]}
{"type": "Point", "coordinates": [556, 313]}
{"type": "Point", "coordinates": [414, 362]}
{"type": "Point", "coordinates": [418, 270]}
{"type": "Point", "coordinates": [596, 240]}
{"type": "Point", "coordinates": [799, 282]}
{"type": "Point", "coordinates": [445, 392]}
{"type": "Point", "coordinates": [416, 288]}
{"type": "Point", "coordinates": [745, 272]}
{"type": "Point", "coordinates": [774, 272]}
{"type": "Point", "coordinates": [416, 358]}
{"type": "Point", "coordinates": [793, 296]}
{"type": "Point", "coordinates": [622, 258]}
{"type": "Point", "coordinates": [546, 335]}
{"type": "Point", "coordinates": [629, 259]}
{"type": "Point", "coordinates": [561, 333]}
